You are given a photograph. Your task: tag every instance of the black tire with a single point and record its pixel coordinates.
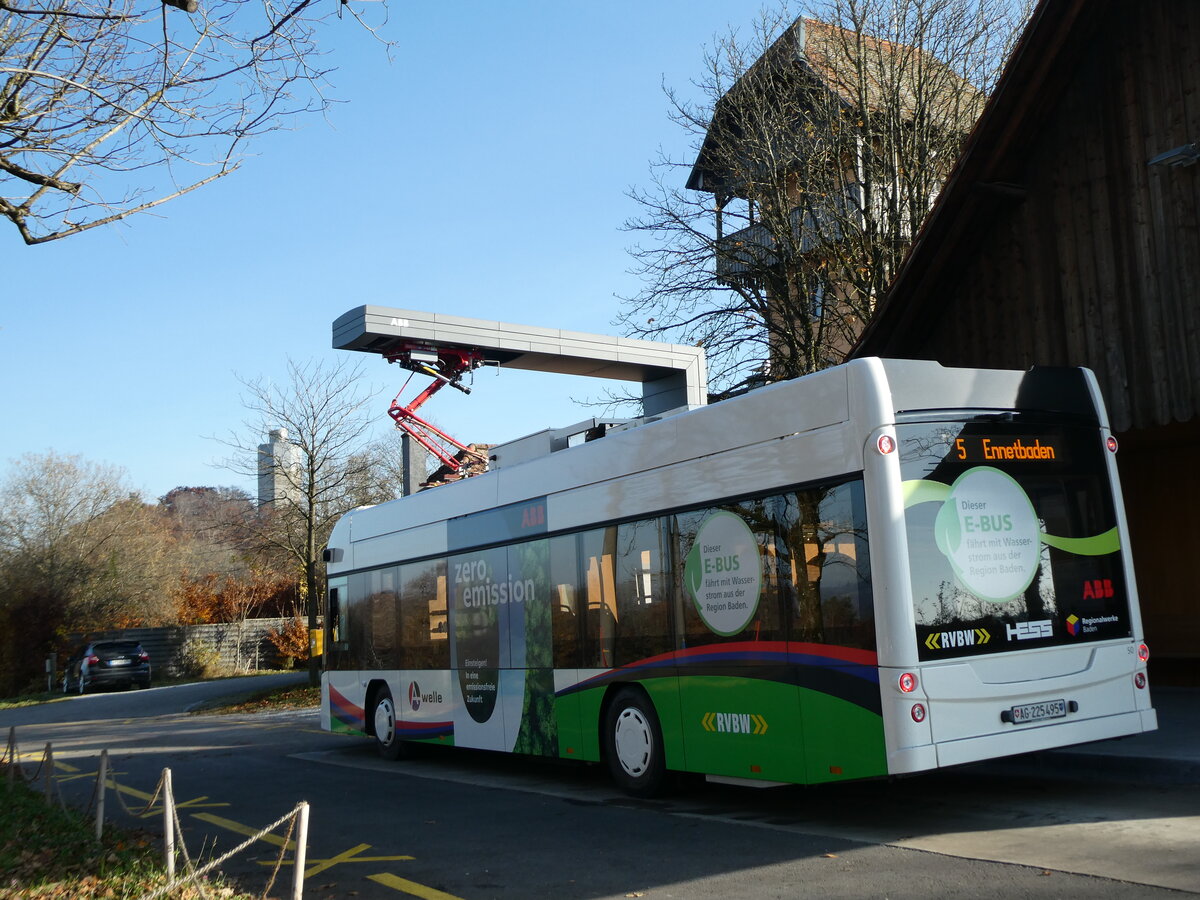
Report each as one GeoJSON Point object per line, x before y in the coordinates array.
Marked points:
{"type": "Point", "coordinates": [387, 741]}
{"type": "Point", "coordinates": [633, 744]}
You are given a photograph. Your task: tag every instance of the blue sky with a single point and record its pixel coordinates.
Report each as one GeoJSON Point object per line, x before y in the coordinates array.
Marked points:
{"type": "Point", "coordinates": [482, 172]}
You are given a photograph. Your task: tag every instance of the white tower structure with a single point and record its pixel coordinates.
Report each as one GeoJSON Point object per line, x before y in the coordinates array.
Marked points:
{"type": "Point", "coordinates": [278, 468]}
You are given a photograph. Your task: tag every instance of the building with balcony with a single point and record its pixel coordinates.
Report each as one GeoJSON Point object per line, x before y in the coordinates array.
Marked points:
{"type": "Point", "coordinates": [823, 158]}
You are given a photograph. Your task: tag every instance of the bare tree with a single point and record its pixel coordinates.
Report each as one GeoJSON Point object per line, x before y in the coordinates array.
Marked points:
{"type": "Point", "coordinates": [78, 549]}
{"type": "Point", "coordinates": [57, 514]}
{"type": "Point", "coordinates": [113, 107]}
{"type": "Point", "coordinates": [201, 524]}
{"type": "Point", "coordinates": [819, 145]}
{"type": "Point", "coordinates": [328, 470]}
{"type": "Point", "coordinates": [134, 575]}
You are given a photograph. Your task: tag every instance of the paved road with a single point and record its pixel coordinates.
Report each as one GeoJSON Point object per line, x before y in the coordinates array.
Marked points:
{"type": "Point", "coordinates": [154, 701]}
{"type": "Point", "coordinates": [473, 825]}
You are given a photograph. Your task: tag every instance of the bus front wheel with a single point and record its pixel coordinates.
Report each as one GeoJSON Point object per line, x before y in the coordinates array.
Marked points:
{"type": "Point", "coordinates": [387, 734]}
{"type": "Point", "coordinates": [633, 744]}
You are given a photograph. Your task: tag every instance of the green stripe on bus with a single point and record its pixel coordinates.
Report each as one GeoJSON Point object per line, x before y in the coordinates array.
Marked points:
{"type": "Point", "coordinates": [1097, 545]}
{"type": "Point", "coordinates": [922, 491]}
{"type": "Point", "coordinates": [843, 741]}
{"type": "Point", "coordinates": [918, 490]}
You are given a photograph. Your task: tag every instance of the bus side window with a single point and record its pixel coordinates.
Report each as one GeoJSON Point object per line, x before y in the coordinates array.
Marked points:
{"type": "Point", "coordinates": [335, 619]}
{"type": "Point", "coordinates": [382, 604]}
{"type": "Point", "coordinates": [643, 613]}
{"type": "Point", "coordinates": [424, 637]}
{"type": "Point", "coordinates": [826, 557]}
{"type": "Point", "coordinates": [600, 592]}
{"type": "Point", "coordinates": [766, 624]}
{"type": "Point", "coordinates": [564, 601]}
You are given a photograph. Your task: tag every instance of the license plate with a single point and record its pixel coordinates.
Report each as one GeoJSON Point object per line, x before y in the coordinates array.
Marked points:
{"type": "Point", "coordinates": [1033, 712]}
{"type": "Point", "coordinates": [118, 662]}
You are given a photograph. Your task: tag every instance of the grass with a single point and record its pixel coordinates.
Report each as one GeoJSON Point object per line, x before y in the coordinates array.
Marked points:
{"type": "Point", "coordinates": [31, 699]}
{"type": "Point", "coordinates": [35, 699]}
{"type": "Point", "coordinates": [296, 697]}
{"type": "Point", "coordinates": [48, 853]}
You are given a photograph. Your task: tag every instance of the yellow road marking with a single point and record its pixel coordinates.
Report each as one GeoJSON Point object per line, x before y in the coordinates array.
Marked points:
{"type": "Point", "coordinates": [318, 865]}
{"type": "Point", "coordinates": [196, 803]}
{"type": "Point", "coordinates": [350, 855]}
{"type": "Point", "coordinates": [65, 778]}
{"type": "Point", "coordinates": [39, 755]}
{"type": "Point", "coordinates": [411, 887]}
{"type": "Point", "coordinates": [156, 810]}
{"type": "Point", "coordinates": [133, 792]}
{"type": "Point", "coordinates": [246, 830]}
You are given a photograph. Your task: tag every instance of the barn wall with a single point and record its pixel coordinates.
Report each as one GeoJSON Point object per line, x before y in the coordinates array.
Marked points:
{"type": "Point", "coordinates": [1098, 263]}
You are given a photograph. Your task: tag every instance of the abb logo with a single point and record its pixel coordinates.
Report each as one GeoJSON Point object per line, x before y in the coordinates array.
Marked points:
{"type": "Point", "coordinates": [533, 516]}
{"type": "Point", "coordinates": [1098, 589]}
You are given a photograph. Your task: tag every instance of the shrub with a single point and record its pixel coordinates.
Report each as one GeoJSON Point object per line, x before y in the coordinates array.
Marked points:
{"type": "Point", "coordinates": [198, 660]}
{"type": "Point", "coordinates": [291, 641]}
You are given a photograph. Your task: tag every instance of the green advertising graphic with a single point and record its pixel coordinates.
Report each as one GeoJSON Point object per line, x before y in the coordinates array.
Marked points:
{"type": "Point", "coordinates": [538, 735]}
{"type": "Point", "coordinates": [988, 530]}
{"type": "Point", "coordinates": [723, 574]}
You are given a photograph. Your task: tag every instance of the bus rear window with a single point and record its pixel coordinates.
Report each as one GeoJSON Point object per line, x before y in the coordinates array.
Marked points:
{"type": "Point", "coordinates": [1012, 537]}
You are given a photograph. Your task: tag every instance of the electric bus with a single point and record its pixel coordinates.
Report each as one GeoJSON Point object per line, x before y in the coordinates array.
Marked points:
{"type": "Point", "coordinates": [882, 568]}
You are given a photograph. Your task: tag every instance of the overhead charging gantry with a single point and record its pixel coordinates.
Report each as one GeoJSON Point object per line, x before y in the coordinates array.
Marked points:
{"type": "Point", "coordinates": [448, 348]}
{"type": "Point", "coordinates": [447, 365]}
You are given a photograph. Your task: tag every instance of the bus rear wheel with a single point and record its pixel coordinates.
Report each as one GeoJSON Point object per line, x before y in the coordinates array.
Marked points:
{"type": "Point", "coordinates": [387, 733]}
{"type": "Point", "coordinates": [633, 744]}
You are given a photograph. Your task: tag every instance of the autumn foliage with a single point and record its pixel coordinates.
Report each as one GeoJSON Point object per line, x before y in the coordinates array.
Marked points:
{"type": "Point", "coordinates": [209, 599]}
{"type": "Point", "coordinates": [291, 640]}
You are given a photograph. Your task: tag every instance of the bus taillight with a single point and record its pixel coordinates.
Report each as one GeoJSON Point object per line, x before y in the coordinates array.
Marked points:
{"type": "Point", "coordinates": [1111, 444]}
{"type": "Point", "coordinates": [1139, 680]}
{"type": "Point", "coordinates": [907, 682]}
{"type": "Point", "coordinates": [918, 713]}
{"type": "Point", "coordinates": [886, 444]}
{"type": "Point", "coordinates": [1143, 652]}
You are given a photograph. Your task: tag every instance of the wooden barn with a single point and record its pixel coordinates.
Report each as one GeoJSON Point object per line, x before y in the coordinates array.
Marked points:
{"type": "Point", "coordinates": [1069, 234]}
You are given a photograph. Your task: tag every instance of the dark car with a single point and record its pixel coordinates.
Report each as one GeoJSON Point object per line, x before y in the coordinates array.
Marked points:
{"type": "Point", "coordinates": [107, 663]}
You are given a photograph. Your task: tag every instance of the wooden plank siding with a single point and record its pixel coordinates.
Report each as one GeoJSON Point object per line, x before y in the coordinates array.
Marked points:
{"type": "Point", "coordinates": [1097, 264]}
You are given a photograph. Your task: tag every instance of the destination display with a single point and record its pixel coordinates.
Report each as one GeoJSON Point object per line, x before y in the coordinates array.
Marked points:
{"type": "Point", "coordinates": [1005, 448]}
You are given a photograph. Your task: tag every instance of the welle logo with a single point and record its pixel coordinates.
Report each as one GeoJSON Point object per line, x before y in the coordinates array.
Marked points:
{"type": "Point", "coordinates": [416, 697]}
